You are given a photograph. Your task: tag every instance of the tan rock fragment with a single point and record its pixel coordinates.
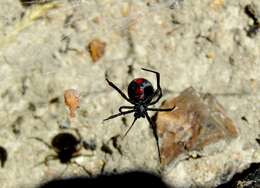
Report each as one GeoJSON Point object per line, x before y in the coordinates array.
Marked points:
{"type": "Point", "coordinates": [197, 121]}
{"type": "Point", "coordinates": [96, 49]}
{"type": "Point", "coordinates": [216, 4]}
{"type": "Point", "coordinates": [71, 99]}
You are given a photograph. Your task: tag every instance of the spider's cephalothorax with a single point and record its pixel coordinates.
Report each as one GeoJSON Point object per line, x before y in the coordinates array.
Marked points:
{"type": "Point", "coordinates": [66, 147]}
{"type": "Point", "coordinates": [141, 95]}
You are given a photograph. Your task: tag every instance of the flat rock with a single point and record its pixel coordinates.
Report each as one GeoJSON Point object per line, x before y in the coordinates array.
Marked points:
{"type": "Point", "coordinates": [197, 121]}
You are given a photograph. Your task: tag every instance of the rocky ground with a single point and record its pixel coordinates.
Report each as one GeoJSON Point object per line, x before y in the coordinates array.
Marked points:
{"type": "Point", "coordinates": [46, 48]}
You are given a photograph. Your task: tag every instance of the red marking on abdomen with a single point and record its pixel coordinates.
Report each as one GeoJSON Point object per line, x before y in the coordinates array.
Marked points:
{"type": "Point", "coordinates": [139, 81]}
{"type": "Point", "coordinates": [139, 91]}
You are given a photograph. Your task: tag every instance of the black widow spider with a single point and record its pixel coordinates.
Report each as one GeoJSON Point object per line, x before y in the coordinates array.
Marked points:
{"type": "Point", "coordinates": [142, 95]}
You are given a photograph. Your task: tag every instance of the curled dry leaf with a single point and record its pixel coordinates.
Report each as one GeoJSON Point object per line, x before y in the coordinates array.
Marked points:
{"type": "Point", "coordinates": [71, 99]}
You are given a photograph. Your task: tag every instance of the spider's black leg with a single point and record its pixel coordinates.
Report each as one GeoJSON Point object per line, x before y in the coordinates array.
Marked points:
{"type": "Point", "coordinates": [158, 98]}
{"type": "Point", "coordinates": [118, 90]}
{"type": "Point", "coordinates": [42, 141]}
{"type": "Point", "coordinates": [125, 107]}
{"type": "Point", "coordinates": [158, 91]}
{"type": "Point", "coordinates": [160, 109]}
{"type": "Point", "coordinates": [119, 114]}
{"type": "Point", "coordinates": [130, 127]}
{"type": "Point", "coordinates": [157, 76]}
{"type": "Point", "coordinates": [153, 126]}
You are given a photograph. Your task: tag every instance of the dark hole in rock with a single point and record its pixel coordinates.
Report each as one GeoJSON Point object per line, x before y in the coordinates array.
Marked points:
{"type": "Point", "coordinates": [32, 107]}
{"type": "Point", "coordinates": [254, 28]}
{"type": "Point", "coordinates": [28, 3]}
{"type": "Point", "coordinates": [105, 148]}
{"type": "Point", "coordinates": [244, 119]}
{"type": "Point", "coordinates": [3, 156]}
{"type": "Point", "coordinates": [130, 70]}
{"type": "Point", "coordinates": [258, 140]}
{"type": "Point", "coordinates": [54, 100]}
{"type": "Point", "coordinates": [115, 143]}
{"type": "Point", "coordinates": [124, 121]}
{"type": "Point", "coordinates": [16, 126]}
{"type": "Point", "coordinates": [210, 125]}
{"type": "Point", "coordinates": [24, 87]}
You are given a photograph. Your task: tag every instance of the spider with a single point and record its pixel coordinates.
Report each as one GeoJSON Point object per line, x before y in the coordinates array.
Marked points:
{"type": "Point", "coordinates": [141, 95]}
{"type": "Point", "coordinates": [66, 147]}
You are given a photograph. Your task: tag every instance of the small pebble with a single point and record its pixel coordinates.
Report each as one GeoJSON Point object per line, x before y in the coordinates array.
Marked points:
{"type": "Point", "coordinates": [96, 49]}
{"type": "Point", "coordinates": [71, 98]}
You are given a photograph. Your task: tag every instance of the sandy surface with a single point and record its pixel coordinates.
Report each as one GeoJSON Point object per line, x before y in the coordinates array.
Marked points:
{"type": "Point", "coordinates": [44, 51]}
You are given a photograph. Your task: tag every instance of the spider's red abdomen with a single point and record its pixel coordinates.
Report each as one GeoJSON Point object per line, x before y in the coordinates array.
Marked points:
{"type": "Point", "coordinates": [140, 89]}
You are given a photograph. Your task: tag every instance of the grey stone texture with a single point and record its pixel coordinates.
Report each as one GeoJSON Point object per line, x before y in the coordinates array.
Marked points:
{"type": "Point", "coordinates": [43, 51]}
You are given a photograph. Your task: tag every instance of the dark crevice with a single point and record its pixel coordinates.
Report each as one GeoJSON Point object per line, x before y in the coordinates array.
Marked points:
{"type": "Point", "coordinates": [16, 126]}
{"type": "Point", "coordinates": [257, 140]}
{"type": "Point", "coordinates": [66, 45]}
{"type": "Point", "coordinates": [24, 86]}
{"type": "Point", "coordinates": [175, 4]}
{"type": "Point", "coordinates": [115, 143]}
{"type": "Point", "coordinates": [254, 28]}
{"type": "Point", "coordinates": [28, 3]}
{"type": "Point", "coordinates": [130, 70]}
{"type": "Point", "coordinates": [244, 119]}
{"type": "Point", "coordinates": [54, 100]}
{"type": "Point", "coordinates": [3, 156]}
{"type": "Point", "coordinates": [106, 149]}
{"type": "Point", "coordinates": [67, 21]}
{"type": "Point", "coordinates": [124, 121]}
{"type": "Point", "coordinates": [249, 177]}
{"type": "Point", "coordinates": [31, 107]}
